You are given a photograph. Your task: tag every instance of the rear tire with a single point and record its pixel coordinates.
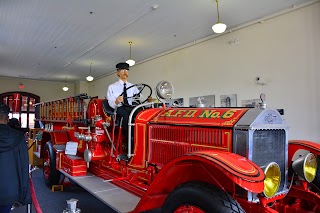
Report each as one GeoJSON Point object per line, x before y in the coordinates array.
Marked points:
{"type": "Point", "coordinates": [200, 197]}
{"type": "Point", "coordinates": [50, 174]}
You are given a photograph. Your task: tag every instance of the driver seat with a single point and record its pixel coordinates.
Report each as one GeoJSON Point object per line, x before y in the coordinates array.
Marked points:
{"type": "Point", "coordinates": [110, 112]}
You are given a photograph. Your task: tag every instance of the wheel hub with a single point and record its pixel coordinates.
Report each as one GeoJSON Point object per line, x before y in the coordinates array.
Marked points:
{"type": "Point", "coordinates": [188, 209]}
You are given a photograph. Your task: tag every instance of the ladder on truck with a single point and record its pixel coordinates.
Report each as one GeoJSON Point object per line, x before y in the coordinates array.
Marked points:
{"type": "Point", "coordinates": [64, 110]}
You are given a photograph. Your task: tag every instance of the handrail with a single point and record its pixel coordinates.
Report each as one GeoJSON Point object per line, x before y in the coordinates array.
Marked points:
{"type": "Point", "coordinates": [132, 124]}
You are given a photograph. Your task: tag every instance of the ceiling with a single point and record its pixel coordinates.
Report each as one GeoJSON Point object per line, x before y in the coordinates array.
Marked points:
{"type": "Point", "coordinates": [59, 39]}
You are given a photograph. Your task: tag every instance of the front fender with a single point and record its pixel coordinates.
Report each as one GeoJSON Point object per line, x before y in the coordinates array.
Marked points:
{"type": "Point", "coordinates": [222, 169]}
{"type": "Point", "coordinates": [239, 169]}
{"type": "Point", "coordinates": [295, 145]}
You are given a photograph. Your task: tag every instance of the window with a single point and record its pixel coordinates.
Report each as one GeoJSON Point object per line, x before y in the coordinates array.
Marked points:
{"type": "Point", "coordinates": [22, 107]}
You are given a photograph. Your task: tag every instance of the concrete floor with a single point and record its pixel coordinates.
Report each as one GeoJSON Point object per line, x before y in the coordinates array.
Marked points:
{"type": "Point", "coordinates": [56, 202]}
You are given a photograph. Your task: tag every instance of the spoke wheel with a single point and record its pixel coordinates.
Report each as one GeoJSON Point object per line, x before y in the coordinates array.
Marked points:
{"type": "Point", "coordinates": [188, 209]}
{"type": "Point", "coordinates": [46, 165]}
{"type": "Point", "coordinates": [199, 197]}
{"type": "Point", "coordinates": [50, 174]}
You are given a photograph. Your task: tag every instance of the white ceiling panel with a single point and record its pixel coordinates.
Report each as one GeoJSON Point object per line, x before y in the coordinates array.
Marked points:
{"type": "Point", "coordinates": [55, 39]}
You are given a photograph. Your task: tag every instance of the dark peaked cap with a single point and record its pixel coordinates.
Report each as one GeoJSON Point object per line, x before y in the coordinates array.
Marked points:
{"type": "Point", "coordinates": [4, 109]}
{"type": "Point", "coordinates": [122, 65]}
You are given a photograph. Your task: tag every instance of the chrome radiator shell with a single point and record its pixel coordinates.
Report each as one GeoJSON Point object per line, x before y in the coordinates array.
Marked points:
{"type": "Point", "coordinates": [261, 135]}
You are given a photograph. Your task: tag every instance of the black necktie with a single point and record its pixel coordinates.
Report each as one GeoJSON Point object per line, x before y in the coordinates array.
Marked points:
{"type": "Point", "coordinates": [125, 96]}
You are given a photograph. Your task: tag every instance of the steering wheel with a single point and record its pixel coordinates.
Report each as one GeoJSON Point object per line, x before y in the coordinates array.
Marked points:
{"type": "Point", "coordinates": [136, 97]}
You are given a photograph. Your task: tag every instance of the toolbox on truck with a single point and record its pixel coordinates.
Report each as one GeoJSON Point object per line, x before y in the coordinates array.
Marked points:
{"type": "Point", "coordinates": [73, 165]}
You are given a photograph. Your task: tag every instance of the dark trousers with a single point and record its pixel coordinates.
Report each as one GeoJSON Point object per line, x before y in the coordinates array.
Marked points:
{"type": "Point", "coordinates": [5, 208]}
{"type": "Point", "coordinates": [124, 112]}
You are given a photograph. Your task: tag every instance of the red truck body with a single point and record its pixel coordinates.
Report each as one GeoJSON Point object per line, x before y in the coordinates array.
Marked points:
{"type": "Point", "coordinates": [181, 159]}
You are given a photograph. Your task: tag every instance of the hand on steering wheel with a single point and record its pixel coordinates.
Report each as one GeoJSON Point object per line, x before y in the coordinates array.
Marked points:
{"type": "Point", "coordinates": [136, 97]}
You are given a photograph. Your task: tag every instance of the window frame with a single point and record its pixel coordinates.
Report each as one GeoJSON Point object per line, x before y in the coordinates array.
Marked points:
{"type": "Point", "coordinates": [20, 111]}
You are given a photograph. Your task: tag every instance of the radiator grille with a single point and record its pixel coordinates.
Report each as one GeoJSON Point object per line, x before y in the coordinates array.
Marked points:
{"type": "Point", "coordinates": [168, 142]}
{"type": "Point", "coordinates": [270, 146]}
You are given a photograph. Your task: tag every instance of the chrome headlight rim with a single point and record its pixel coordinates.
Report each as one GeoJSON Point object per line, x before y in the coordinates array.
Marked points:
{"type": "Point", "coordinates": [308, 158]}
{"type": "Point", "coordinates": [277, 183]}
{"type": "Point", "coordinates": [164, 90]}
{"type": "Point", "coordinates": [306, 167]}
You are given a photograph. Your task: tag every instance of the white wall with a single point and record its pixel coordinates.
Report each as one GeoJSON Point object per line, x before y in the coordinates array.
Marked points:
{"type": "Point", "coordinates": [47, 90]}
{"type": "Point", "coordinates": [284, 51]}
{"type": "Point", "coordinates": [82, 87]}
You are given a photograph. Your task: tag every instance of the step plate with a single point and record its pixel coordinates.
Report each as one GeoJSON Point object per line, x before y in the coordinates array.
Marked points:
{"type": "Point", "coordinates": [118, 199]}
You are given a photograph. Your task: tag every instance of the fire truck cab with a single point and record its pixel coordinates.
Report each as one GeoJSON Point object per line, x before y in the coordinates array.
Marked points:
{"type": "Point", "coordinates": [181, 159]}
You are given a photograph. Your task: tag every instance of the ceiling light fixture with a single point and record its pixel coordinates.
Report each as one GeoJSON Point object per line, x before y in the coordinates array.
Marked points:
{"type": "Point", "coordinates": [89, 77]}
{"type": "Point", "coordinates": [131, 62]}
{"type": "Point", "coordinates": [219, 27]}
{"type": "Point", "coordinates": [65, 88]}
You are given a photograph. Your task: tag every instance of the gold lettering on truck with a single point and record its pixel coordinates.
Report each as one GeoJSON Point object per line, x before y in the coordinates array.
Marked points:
{"type": "Point", "coordinates": [228, 114]}
{"type": "Point", "coordinates": [178, 113]}
{"type": "Point", "coordinates": [167, 113]}
{"type": "Point", "coordinates": [209, 114]}
{"type": "Point", "coordinates": [189, 114]}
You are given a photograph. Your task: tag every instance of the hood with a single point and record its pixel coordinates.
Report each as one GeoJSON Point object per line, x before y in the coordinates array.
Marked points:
{"type": "Point", "coordinates": [9, 138]}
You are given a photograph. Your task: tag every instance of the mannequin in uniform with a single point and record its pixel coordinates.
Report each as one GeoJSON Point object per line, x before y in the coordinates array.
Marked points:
{"type": "Point", "coordinates": [116, 100]}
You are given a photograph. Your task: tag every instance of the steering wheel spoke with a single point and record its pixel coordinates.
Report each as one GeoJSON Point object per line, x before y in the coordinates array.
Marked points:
{"type": "Point", "coordinates": [136, 97]}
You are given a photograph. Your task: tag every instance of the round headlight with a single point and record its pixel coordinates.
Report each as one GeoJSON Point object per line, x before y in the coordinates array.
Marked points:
{"type": "Point", "coordinates": [272, 179]}
{"type": "Point", "coordinates": [306, 167]}
{"type": "Point", "coordinates": [164, 89]}
{"type": "Point", "coordinates": [310, 167]}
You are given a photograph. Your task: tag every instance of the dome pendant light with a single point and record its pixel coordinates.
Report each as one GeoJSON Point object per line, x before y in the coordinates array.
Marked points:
{"type": "Point", "coordinates": [219, 27]}
{"type": "Point", "coordinates": [131, 62]}
{"type": "Point", "coordinates": [89, 77]}
{"type": "Point", "coordinates": [65, 88]}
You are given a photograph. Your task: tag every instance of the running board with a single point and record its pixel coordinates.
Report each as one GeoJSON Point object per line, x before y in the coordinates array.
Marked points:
{"type": "Point", "coordinates": [115, 197]}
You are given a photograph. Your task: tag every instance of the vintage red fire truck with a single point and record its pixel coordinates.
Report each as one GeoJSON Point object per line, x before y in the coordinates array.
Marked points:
{"type": "Point", "coordinates": [181, 159]}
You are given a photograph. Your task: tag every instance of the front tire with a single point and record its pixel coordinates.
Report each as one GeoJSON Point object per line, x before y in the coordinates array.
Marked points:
{"type": "Point", "coordinates": [50, 174]}
{"type": "Point", "coordinates": [197, 197]}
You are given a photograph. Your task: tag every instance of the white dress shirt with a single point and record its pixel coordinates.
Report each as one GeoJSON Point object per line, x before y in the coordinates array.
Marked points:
{"type": "Point", "coordinates": [115, 90]}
